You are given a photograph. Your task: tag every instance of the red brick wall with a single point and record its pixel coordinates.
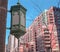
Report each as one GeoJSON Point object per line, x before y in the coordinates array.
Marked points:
{"type": "Point", "coordinates": [3, 6]}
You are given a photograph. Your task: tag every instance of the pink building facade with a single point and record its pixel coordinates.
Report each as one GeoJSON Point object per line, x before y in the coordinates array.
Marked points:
{"type": "Point", "coordinates": [44, 32]}
{"type": "Point", "coordinates": [12, 44]}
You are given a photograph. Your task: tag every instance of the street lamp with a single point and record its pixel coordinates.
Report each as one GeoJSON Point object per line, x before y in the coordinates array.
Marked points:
{"type": "Point", "coordinates": [18, 21]}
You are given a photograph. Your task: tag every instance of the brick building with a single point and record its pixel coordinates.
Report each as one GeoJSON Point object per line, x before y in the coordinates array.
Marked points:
{"type": "Point", "coordinates": [12, 43]}
{"type": "Point", "coordinates": [44, 32]}
{"type": "Point", "coordinates": [3, 13]}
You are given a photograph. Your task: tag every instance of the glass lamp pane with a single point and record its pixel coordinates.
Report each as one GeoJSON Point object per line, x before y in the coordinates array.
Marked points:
{"type": "Point", "coordinates": [15, 19]}
{"type": "Point", "coordinates": [22, 22]}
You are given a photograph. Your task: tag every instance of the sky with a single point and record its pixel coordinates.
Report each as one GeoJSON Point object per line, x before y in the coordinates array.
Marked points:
{"type": "Point", "coordinates": [34, 8]}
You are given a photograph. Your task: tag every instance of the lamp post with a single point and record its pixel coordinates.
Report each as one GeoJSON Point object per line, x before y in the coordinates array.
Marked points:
{"type": "Point", "coordinates": [18, 21]}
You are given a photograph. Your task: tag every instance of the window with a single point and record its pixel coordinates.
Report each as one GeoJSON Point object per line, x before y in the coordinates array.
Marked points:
{"type": "Point", "coordinates": [46, 31]}
{"type": "Point", "coordinates": [59, 37]}
{"type": "Point", "coordinates": [58, 28]}
{"type": "Point", "coordinates": [36, 49]}
{"type": "Point", "coordinates": [51, 19]}
{"type": "Point", "coordinates": [58, 21]}
{"type": "Point", "coordinates": [51, 22]}
{"type": "Point", "coordinates": [0, 12]}
{"type": "Point", "coordinates": [48, 49]}
{"type": "Point", "coordinates": [47, 39]}
{"type": "Point", "coordinates": [46, 36]}
{"type": "Point", "coordinates": [56, 51]}
{"type": "Point", "coordinates": [51, 16]}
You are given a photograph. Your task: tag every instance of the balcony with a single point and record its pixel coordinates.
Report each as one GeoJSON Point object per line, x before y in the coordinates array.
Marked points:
{"type": "Point", "coordinates": [47, 45]}
{"type": "Point", "coordinates": [47, 35]}
{"type": "Point", "coordinates": [46, 31]}
{"type": "Point", "coordinates": [46, 39]}
{"type": "Point", "coordinates": [47, 42]}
